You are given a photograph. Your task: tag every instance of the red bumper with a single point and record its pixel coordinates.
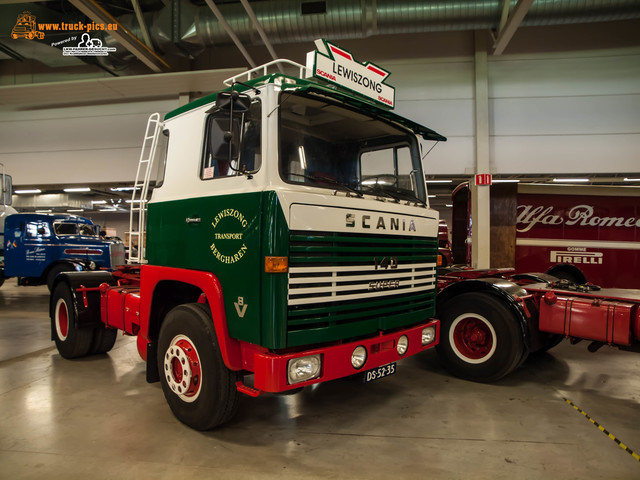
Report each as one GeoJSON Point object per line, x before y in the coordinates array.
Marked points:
{"type": "Point", "coordinates": [271, 369]}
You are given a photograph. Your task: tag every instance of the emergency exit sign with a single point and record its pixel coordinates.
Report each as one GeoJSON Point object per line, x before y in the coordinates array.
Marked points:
{"type": "Point", "coordinates": [483, 179]}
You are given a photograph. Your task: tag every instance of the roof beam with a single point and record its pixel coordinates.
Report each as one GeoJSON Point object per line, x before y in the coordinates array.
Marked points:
{"type": "Point", "coordinates": [127, 39]}
{"type": "Point", "coordinates": [227, 28]}
{"type": "Point", "coordinates": [142, 23]}
{"type": "Point", "coordinates": [261, 32]}
{"type": "Point", "coordinates": [508, 28]}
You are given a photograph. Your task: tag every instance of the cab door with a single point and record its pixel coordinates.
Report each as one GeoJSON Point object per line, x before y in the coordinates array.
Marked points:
{"type": "Point", "coordinates": [216, 224]}
{"type": "Point", "coordinates": [28, 252]}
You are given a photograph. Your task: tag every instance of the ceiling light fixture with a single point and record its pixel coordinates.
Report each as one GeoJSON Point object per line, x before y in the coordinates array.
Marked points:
{"type": "Point", "coordinates": [77, 189]}
{"type": "Point", "coordinates": [571, 180]}
{"type": "Point", "coordinates": [33, 190]}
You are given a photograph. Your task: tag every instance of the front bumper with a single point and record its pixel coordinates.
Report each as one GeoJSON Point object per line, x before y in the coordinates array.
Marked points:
{"type": "Point", "coordinates": [270, 369]}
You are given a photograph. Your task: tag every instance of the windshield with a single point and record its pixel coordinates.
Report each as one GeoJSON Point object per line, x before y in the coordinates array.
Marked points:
{"type": "Point", "coordinates": [329, 146]}
{"type": "Point", "coordinates": [67, 228]}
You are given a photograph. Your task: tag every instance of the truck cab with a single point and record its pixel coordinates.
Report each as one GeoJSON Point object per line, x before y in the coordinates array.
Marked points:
{"type": "Point", "coordinates": [39, 246]}
{"type": "Point", "coordinates": [294, 171]}
{"type": "Point", "coordinates": [288, 238]}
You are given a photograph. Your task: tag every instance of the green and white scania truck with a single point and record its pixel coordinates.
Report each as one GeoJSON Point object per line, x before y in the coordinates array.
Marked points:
{"type": "Point", "coordinates": [287, 242]}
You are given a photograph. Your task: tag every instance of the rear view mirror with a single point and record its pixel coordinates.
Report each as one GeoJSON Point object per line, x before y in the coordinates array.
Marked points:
{"type": "Point", "coordinates": [238, 102]}
{"type": "Point", "coordinates": [224, 143]}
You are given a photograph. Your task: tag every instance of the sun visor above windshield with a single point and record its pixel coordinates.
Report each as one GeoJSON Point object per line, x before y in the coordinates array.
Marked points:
{"type": "Point", "coordinates": [317, 89]}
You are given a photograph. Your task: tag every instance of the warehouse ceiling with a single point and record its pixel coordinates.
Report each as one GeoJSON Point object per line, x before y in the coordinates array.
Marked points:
{"type": "Point", "coordinates": [154, 36]}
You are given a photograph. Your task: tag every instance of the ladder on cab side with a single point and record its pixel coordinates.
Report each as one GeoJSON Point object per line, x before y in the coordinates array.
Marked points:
{"type": "Point", "coordinates": [140, 195]}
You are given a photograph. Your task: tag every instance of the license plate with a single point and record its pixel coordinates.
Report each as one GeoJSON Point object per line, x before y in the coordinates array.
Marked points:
{"type": "Point", "coordinates": [380, 372]}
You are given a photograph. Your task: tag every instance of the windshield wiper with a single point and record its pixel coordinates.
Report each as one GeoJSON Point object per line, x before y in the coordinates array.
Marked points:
{"type": "Point", "coordinates": [397, 193]}
{"type": "Point", "coordinates": [329, 180]}
{"type": "Point", "coordinates": [378, 190]}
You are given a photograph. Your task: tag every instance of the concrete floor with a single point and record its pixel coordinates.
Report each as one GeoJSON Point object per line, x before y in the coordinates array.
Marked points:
{"type": "Point", "coordinates": [97, 417]}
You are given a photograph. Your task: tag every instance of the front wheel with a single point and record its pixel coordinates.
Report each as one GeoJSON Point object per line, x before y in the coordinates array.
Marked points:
{"type": "Point", "coordinates": [197, 385]}
{"type": "Point", "coordinates": [480, 338]}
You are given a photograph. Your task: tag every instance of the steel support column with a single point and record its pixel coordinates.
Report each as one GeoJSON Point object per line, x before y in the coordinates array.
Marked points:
{"type": "Point", "coordinates": [480, 195]}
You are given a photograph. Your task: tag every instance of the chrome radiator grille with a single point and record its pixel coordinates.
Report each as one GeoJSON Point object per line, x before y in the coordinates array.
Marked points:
{"type": "Point", "coordinates": [347, 285]}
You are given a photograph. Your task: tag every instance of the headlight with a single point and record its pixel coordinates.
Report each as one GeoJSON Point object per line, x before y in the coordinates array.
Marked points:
{"type": "Point", "coordinates": [304, 368]}
{"type": "Point", "coordinates": [403, 345]}
{"type": "Point", "coordinates": [92, 265]}
{"type": "Point", "coordinates": [359, 357]}
{"type": "Point", "coordinates": [428, 335]}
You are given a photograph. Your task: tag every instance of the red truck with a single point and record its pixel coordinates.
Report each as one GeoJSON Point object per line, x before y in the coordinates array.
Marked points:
{"type": "Point", "coordinates": [491, 320]}
{"type": "Point", "coordinates": [574, 232]}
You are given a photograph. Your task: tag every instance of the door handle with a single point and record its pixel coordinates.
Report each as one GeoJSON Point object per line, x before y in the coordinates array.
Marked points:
{"type": "Point", "coordinates": [193, 219]}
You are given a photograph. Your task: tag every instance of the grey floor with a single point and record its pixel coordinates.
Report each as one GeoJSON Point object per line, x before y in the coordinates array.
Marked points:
{"type": "Point", "coordinates": [97, 417]}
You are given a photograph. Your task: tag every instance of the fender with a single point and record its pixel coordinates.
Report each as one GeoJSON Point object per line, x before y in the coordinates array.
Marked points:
{"type": "Point", "coordinates": [569, 268]}
{"type": "Point", "coordinates": [524, 309]}
{"type": "Point", "coordinates": [208, 283]}
{"type": "Point", "coordinates": [86, 303]}
{"type": "Point", "coordinates": [78, 265]}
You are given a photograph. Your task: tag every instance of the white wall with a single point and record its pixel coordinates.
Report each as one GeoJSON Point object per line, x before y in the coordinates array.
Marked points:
{"type": "Point", "coordinates": [78, 144]}
{"type": "Point", "coordinates": [118, 221]}
{"type": "Point", "coordinates": [550, 113]}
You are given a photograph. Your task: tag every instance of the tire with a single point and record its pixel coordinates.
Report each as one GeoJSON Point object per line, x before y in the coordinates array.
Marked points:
{"type": "Point", "coordinates": [202, 392]}
{"type": "Point", "coordinates": [72, 342]}
{"type": "Point", "coordinates": [103, 340]}
{"type": "Point", "coordinates": [480, 338]}
{"type": "Point", "coordinates": [551, 340]}
{"type": "Point", "coordinates": [53, 273]}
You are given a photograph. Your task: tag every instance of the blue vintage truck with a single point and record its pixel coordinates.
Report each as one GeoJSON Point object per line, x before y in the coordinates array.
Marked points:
{"type": "Point", "coordinates": [39, 246]}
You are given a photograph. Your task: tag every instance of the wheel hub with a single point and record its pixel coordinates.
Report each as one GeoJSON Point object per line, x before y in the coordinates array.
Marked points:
{"type": "Point", "coordinates": [473, 338]}
{"type": "Point", "coordinates": [182, 368]}
{"type": "Point", "coordinates": [62, 320]}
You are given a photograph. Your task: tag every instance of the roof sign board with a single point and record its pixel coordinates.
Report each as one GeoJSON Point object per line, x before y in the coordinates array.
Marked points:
{"type": "Point", "coordinates": [336, 65]}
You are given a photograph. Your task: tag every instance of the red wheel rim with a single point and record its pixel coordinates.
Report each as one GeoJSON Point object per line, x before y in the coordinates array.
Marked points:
{"type": "Point", "coordinates": [472, 338]}
{"type": "Point", "coordinates": [182, 368]}
{"type": "Point", "coordinates": [62, 319]}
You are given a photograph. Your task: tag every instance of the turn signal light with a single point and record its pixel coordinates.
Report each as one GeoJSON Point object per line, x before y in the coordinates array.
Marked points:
{"type": "Point", "coordinates": [439, 262]}
{"type": "Point", "coordinates": [276, 264]}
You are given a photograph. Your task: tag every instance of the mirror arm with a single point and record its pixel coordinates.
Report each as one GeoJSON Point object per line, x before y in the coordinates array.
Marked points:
{"type": "Point", "coordinates": [247, 86]}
